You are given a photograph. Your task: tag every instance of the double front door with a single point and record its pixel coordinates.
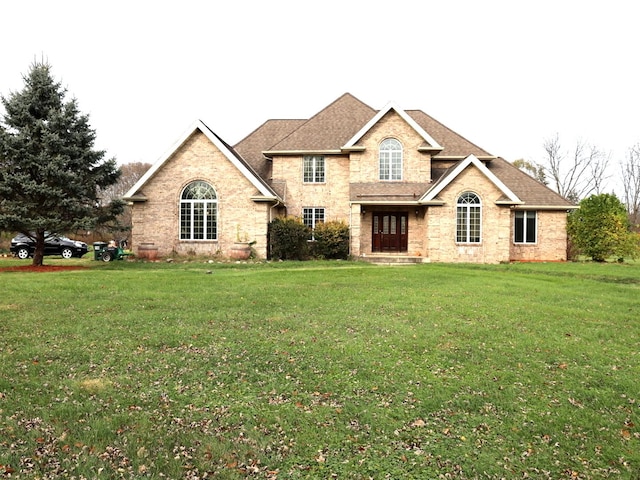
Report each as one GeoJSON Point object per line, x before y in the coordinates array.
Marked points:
{"type": "Point", "coordinates": [390, 232]}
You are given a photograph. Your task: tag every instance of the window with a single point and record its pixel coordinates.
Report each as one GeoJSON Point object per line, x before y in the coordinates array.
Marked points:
{"type": "Point", "coordinates": [526, 227]}
{"type": "Point", "coordinates": [390, 160]}
{"type": "Point", "coordinates": [312, 216]}
{"type": "Point", "coordinates": [313, 168]}
{"type": "Point", "coordinates": [468, 218]}
{"type": "Point", "coordinates": [198, 212]}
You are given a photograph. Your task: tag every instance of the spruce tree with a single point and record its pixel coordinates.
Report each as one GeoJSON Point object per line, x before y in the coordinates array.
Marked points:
{"type": "Point", "coordinates": [50, 173]}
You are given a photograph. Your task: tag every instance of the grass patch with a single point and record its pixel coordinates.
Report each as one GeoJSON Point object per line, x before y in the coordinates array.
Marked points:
{"type": "Point", "coordinates": [321, 370]}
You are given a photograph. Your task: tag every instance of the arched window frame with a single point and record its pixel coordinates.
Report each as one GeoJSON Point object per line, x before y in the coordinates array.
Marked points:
{"type": "Point", "coordinates": [468, 218]}
{"type": "Point", "coordinates": [198, 212]}
{"type": "Point", "coordinates": [390, 156]}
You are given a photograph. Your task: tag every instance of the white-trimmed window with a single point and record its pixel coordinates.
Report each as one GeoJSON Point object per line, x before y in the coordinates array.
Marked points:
{"type": "Point", "coordinates": [311, 216]}
{"type": "Point", "coordinates": [313, 169]}
{"type": "Point", "coordinates": [468, 218]}
{"type": "Point", "coordinates": [198, 212]}
{"type": "Point", "coordinates": [526, 226]}
{"type": "Point", "coordinates": [390, 159]}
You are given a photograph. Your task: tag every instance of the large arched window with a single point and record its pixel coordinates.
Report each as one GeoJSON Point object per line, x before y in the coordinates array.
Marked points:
{"type": "Point", "coordinates": [468, 218]}
{"type": "Point", "coordinates": [390, 159]}
{"type": "Point", "coordinates": [198, 212]}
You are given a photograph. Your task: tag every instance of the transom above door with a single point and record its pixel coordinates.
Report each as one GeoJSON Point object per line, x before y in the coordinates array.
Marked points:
{"type": "Point", "coordinates": [389, 232]}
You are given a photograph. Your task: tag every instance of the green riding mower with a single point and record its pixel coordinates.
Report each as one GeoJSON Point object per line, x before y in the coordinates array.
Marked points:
{"type": "Point", "coordinates": [111, 251]}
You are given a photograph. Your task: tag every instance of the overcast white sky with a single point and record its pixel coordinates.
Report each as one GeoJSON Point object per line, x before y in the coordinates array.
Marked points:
{"type": "Point", "coordinates": [505, 74]}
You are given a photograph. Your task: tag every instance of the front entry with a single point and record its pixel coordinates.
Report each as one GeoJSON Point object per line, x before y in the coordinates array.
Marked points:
{"type": "Point", "coordinates": [390, 232]}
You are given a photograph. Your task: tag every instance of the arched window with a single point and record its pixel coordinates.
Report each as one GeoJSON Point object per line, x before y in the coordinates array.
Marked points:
{"type": "Point", "coordinates": [390, 159]}
{"type": "Point", "coordinates": [198, 212]}
{"type": "Point", "coordinates": [468, 218]}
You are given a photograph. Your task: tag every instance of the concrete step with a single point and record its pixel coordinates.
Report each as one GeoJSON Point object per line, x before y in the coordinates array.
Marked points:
{"type": "Point", "coordinates": [384, 259]}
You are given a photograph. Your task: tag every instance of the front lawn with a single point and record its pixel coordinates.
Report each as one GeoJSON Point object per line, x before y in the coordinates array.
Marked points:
{"type": "Point", "coordinates": [320, 370]}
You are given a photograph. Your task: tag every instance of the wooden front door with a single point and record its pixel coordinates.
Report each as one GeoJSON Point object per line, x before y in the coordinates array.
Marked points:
{"type": "Point", "coordinates": [390, 232]}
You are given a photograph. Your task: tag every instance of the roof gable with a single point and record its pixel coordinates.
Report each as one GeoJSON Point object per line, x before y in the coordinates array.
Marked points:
{"type": "Point", "coordinates": [457, 169]}
{"type": "Point", "coordinates": [351, 143]}
{"type": "Point", "coordinates": [228, 151]}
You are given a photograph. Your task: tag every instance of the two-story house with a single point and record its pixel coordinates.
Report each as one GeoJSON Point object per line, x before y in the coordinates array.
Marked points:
{"type": "Point", "coordinates": [404, 183]}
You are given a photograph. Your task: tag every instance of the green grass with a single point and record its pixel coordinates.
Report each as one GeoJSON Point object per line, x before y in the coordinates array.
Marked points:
{"type": "Point", "coordinates": [320, 370]}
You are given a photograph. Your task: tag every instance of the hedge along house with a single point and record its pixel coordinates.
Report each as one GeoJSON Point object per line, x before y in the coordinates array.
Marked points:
{"type": "Point", "coordinates": [405, 184]}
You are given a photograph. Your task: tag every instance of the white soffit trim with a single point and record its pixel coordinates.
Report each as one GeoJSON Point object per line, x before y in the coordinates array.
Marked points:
{"type": "Point", "coordinates": [404, 115]}
{"type": "Point", "coordinates": [199, 125]}
{"type": "Point", "coordinates": [471, 160]}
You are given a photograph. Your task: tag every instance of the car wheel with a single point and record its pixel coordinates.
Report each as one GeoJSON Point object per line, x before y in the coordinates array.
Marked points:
{"type": "Point", "coordinates": [107, 257]}
{"type": "Point", "coordinates": [23, 253]}
{"type": "Point", "coordinates": [67, 253]}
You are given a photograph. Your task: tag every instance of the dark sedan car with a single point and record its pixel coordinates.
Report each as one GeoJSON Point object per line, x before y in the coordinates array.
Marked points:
{"type": "Point", "coordinates": [23, 246]}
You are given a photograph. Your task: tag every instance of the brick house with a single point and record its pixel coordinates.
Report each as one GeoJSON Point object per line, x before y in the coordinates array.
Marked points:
{"type": "Point", "coordinates": [405, 184]}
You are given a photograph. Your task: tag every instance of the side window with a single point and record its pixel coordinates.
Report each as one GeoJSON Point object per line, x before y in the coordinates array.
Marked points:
{"type": "Point", "coordinates": [468, 218]}
{"type": "Point", "coordinates": [526, 227]}
{"type": "Point", "coordinates": [198, 212]}
{"type": "Point", "coordinates": [311, 216]}
{"type": "Point", "coordinates": [390, 160]}
{"type": "Point", "coordinates": [313, 169]}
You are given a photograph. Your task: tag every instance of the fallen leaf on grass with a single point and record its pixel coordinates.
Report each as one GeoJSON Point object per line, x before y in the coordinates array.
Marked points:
{"type": "Point", "coordinates": [575, 403]}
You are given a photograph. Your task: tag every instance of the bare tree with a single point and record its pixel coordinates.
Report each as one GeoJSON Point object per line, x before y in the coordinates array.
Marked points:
{"type": "Point", "coordinates": [534, 169]}
{"type": "Point", "coordinates": [578, 173]}
{"type": "Point", "coordinates": [130, 173]}
{"type": "Point", "coordinates": [631, 184]}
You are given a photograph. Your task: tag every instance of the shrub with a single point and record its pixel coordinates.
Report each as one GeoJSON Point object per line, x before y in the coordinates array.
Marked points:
{"type": "Point", "coordinates": [288, 239]}
{"type": "Point", "coordinates": [331, 240]}
{"type": "Point", "coordinates": [600, 228]}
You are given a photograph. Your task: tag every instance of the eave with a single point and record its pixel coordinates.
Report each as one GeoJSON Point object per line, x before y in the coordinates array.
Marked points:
{"type": "Point", "coordinates": [265, 199]}
{"type": "Point", "coordinates": [135, 199]}
{"type": "Point", "coordinates": [545, 207]}
{"type": "Point", "coordinates": [271, 153]}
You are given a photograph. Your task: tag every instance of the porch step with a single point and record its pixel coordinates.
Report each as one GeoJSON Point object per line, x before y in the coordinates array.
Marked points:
{"type": "Point", "coordinates": [393, 259]}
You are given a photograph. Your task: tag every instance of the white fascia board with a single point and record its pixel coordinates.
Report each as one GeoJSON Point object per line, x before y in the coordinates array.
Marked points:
{"type": "Point", "coordinates": [404, 115]}
{"type": "Point", "coordinates": [161, 161]}
{"type": "Point", "coordinates": [249, 175]}
{"type": "Point", "coordinates": [472, 160]}
{"type": "Point", "coordinates": [546, 207]}
{"type": "Point", "coordinates": [199, 125]}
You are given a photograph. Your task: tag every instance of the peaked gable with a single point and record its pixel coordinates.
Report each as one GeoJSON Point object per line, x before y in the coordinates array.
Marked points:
{"type": "Point", "coordinates": [247, 171]}
{"type": "Point", "coordinates": [432, 144]}
{"type": "Point", "coordinates": [456, 170]}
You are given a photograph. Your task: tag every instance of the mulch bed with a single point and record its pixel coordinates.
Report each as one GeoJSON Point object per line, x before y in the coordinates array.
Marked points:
{"type": "Point", "coordinates": [42, 268]}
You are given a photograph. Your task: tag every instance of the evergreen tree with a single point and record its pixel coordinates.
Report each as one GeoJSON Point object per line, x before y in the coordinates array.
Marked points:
{"type": "Point", "coordinates": [50, 173]}
{"type": "Point", "coordinates": [600, 228]}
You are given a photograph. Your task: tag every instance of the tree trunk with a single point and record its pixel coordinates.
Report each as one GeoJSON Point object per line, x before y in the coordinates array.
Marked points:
{"type": "Point", "coordinates": [38, 253]}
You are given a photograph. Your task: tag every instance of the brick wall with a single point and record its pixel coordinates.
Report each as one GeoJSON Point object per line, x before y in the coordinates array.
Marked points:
{"type": "Point", "coordinates": [551, 242]}
{"type": "Point", "coordinates": [441, 243]}
{"type": "Point", "coordinates": [332, 195]}
{"type": "Point", "coordinates": [156, 221]}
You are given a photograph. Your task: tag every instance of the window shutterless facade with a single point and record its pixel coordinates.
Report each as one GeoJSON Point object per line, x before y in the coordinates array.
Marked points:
{"type": "Point", "coordinates": [390, 158]}
{"type": "Point", "coordinates": [468, 218]}
{"type": "Point", "coordinates": [198, 212]}
{"type": "Point", "coordinates": [311, 216]}
{"type": "Point", "coordinates": [313, 169]}
{"type": "Point", "coordinates": [526, 226]}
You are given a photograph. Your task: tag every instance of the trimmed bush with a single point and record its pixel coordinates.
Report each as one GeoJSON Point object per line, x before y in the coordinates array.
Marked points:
{"type": "Point", "coordinates": [331, 240]}
{"type": "Point", "coordinates": [288, 239]}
